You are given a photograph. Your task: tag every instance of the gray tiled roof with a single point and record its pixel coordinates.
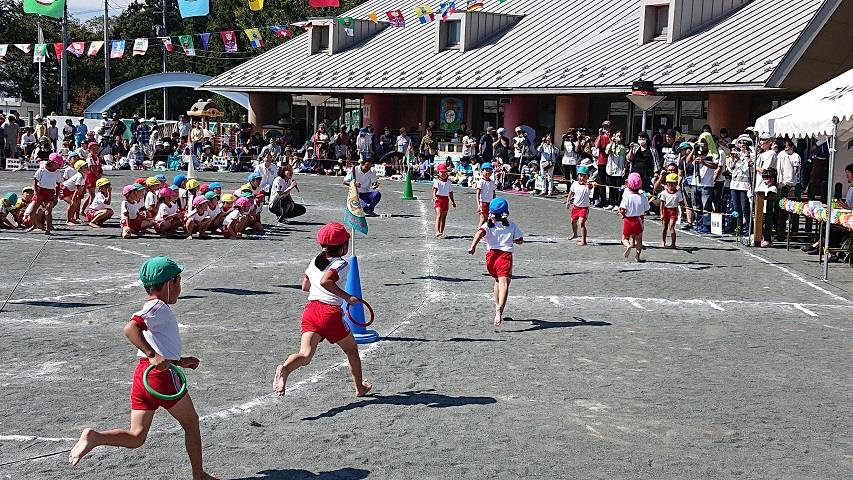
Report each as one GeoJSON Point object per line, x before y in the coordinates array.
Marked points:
{"type": "Point", "coordinates": [559, 45]}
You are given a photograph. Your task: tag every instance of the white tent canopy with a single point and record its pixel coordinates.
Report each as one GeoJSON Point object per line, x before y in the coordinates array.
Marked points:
{"type": "Point", "coordinates": [814, 113]}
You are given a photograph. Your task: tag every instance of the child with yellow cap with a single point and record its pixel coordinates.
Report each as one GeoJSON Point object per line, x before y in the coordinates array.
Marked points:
{"type": "Point", "coordinates": [152, 186]}
{"type": "Point", "coordinates": [153, 330]}
{"type": "Point", "coordinates": [670, 199]}
{"type": "Point", "coordinates": [99, 210]}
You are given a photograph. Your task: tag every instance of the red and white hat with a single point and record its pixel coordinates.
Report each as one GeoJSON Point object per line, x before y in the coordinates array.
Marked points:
{"type": "Point", "coordinates": [333, 234]}
{"type": "Point", "coordinates": [199, 200]}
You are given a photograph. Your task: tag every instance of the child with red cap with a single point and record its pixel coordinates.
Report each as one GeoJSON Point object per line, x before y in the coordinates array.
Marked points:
{"type": "Point", "coordinates": [633, 208]}
{"type": "Point", "coordinates": [153, 330]}
{"type": "Point", "coordinates": [322, 317]}
{"type": "Point", "coordinates": [442, 196]}
{"type": "Point", "coordinates": [94, 172]}
{"type": "Point", "coordinates": [46, 182]}
{"type": "Point", "coordinates": [501, 236]}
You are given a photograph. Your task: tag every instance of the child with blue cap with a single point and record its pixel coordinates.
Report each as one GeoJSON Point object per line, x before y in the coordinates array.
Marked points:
{"type": "Point", "coordinates": [485, 191]}
{"type": "Point", "coordinates": [153, 330]}
{"type": "Point", "coordinates": [501, 236]}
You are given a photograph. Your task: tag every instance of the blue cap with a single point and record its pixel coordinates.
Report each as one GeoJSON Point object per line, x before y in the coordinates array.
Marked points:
{"type": "Point", "coordinates": [486, 166]}
{"type": "Point", "coordinates": [160, 177]}
{"type": "Point", "coordinates": [254, 176]}
{"type": "Point", "coordinates": [214, 185]}
{"type": "Point", "coordinates": [498, 206]}
{"type": "Point", "coordinates": [179, 179]}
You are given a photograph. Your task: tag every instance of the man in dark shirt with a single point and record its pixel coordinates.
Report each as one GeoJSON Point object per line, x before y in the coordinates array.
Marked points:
{"type": "Point", "coordinates": [486, 145]}
{"type": "Point", "coordinates": [245, 130]}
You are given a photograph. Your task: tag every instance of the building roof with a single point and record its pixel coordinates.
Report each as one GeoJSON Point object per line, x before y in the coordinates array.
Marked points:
{"type": "Point", "coordinates": [571, 46]}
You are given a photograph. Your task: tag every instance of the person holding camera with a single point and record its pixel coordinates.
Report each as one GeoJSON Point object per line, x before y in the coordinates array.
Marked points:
{"type": "Point", "coordinates": [570, 149]}
{"type": "Point", "coordinates": [600, 150]}
{"type": "Point", "coordinates": [705, 160]}
{"type": "Point", "coordinates": [614, 173]}
{"type": "Point", "coordinates": [547, 160]}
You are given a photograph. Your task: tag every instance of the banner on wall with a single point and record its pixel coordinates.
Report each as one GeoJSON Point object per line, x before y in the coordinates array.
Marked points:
{"type": "Point", "coordinates": [451, 113]}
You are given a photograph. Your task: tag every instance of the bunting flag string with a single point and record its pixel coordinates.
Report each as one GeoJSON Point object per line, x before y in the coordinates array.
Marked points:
{"type": "Point", "coordinates": [3, 50]}
{"type": "Point", "coordinates": [395, 18]}
{"type": "Point", "coordinates": [24, 47]}
{"type": "Point", "coordinates": [229, 41]}
{"type": "Point", "coordinates": [373, 17]}
{"type": "Point", "coordinates": [58, 48]}
{"type": "Point", "coordinates": [140, 46]}
{"type": "Point", "coordinates": [255, 39]}
{"type": "Point", "coordinates": [117, 48]}
{"type": "Point", "coordinates": [424, 13]}
{"type": "Point", "coordinates": [348, 23]}
{"type": "Point", "coordinates": [446, 8]}
{"type": "Point", "coordinates": [167, 44]}
{"type": "Point", "coordinates": [77, 48]}
{"type": "Point", "coordinates": [95, 47]}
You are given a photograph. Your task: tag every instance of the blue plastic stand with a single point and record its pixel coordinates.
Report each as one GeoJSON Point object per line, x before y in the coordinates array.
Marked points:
{"type": "Point", "coordinates": [353, 287]}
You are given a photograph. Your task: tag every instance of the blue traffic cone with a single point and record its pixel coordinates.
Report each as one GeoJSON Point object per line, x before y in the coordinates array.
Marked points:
{"type": "Point", "coordinates": [353, 287]}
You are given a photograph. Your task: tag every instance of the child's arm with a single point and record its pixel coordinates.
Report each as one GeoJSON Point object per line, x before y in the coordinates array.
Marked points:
{"type": "Point", "coordinates": [133, 332]}
{"type": "Point", "coordinates": [434, 193]}
{"type": "Point", "coordinates": [477, 197]}
{"type": "Point", "coordinates": [477, 237]}
{"type": "Point", "coordinates": [306, 283]}
{"type": "Point", "coordinates": [452, 201]}
{"type": "Point", "coordinates": [518, 241]}
{"type": "Point", "coordinates": [569, 197]}
{"type": "Point", "coordinates": [328, 282]}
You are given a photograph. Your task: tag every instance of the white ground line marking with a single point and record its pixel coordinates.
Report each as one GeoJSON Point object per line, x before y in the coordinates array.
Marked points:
{"type": "Point", "coordinates": [804, 310]}
{"type": "Point", "coordinates": [834, 328]}
{"type": "Point", "coordinates": [715, 306]}
{"type": "Point", "coordinates": [635, 303]}
{"type": "Point", "coordinates": [81, 244]}
{"type": "Point", "coordinates": [77, 295]}
{"type": "Point", "coordinates": [29, 438]}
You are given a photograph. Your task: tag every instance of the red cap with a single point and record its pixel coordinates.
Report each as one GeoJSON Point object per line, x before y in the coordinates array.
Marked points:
{"type": "Point", "coordinates": [260, 194]}
{"type": "Point", "coordinates": [442, 167]}
{"type": "Point", "coordinates": [333, 234]}
{"type": "Point", "coordinates": [140, 181]}
{"type": "Point", "coordinates": [203, 188]}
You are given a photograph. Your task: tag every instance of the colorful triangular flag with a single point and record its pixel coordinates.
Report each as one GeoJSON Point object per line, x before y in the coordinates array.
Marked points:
{"type": "Point", "coordinates": [77, 48]}
{"type": "Point", "coordinates": [40, 53]}
{"type": "Point", "coordinates": [140, 46]}
{"type": "Point", "coordinates": [229, 40]}
{"type": "Point", "coordinates": [446, 8]}
{"type": "Point", "coordinates": [279, 30]}
{"type": "Point", "coordinates": [395, 18]}
{"type": "Point", "coordinates": [256, 5]}
{"type": "Point", "coordinates": [94, 47]}
{"type": "Point", "coordinates": [354, 213]}
{"type": "Point", "coordinates": [205, 39]}
{"type": "Point", "coordinates": [324, 3]}
{"type": "Point", "coordinates": [424, 13]}
{"type": "Point", "coordinates": [117, 48]}
{"type": "Point", "coordinates": [187, 44]}
{"type": "Point", "coordinates": [58, 48]}
{"type": "Point", "coordinates": [3, 49]}
{"type": "Point", "coordinates": [348, 23]}
{"type": "Point", "coordinates": [24, 47]}
{"type": "Point", "coordinates": [373, 17]}
{"type": "Point", "coordinates": [255, 39]}
{"type": "Point", "coordinates": [167, 44]}
{"type": "Point", "coordinates": [474, 5]}
{"type": "Point", "coordinates": [47, 8]}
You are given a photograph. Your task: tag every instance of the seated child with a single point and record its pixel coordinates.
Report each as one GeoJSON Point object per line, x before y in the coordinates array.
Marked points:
{"type": "Point", "coordinates": [99, 210]}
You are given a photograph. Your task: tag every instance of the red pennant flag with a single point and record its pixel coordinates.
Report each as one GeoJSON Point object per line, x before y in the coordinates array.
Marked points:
{"type": "Point", "coordinates": [324, 3]}
{"type": "Point", "coordinates": [58, 48]}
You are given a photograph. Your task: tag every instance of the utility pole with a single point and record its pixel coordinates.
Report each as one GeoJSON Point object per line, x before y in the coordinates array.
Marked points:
{"type": "Point", "coordinates": [107, 46]}
{"type": "Point", "coordinates": [63, 65]}
{"type": "Point", "coordinates": [40, 41]}
{"type": "Point", "coordinates": [165, 91]}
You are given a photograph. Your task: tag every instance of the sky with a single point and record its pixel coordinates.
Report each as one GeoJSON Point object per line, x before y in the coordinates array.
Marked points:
{"type": "Point", "coordinates": [86, 9]}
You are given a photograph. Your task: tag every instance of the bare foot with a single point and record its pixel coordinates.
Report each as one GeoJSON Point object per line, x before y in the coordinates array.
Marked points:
{"type": "Point", "coordinates": [498, 317]}
{"type": "Point", "coordinates": [72, 223]}
{"type": "Point", "coordinates": [627, 250]}
{"type": "Point", "coordinates": [362, 390]}
{"type": "Point", "coordinates": [574, 236]}
{"type": "Point", "coordinates": [189, 237]}
{"type": "Point", "coordinates": [206, 476]}
{"type": "Point", "coordinates": [278, 382]}
{"type": "Point", "coordinates": [30, 229]}
{"type": "Point", "coordinates": [83, 446]}
{"type": "Point", "coordinates": [95, 225]}
{"type": "Point", "coordinates": [581, 242]}
{"type": "Point", "coordinates": [638, 257]}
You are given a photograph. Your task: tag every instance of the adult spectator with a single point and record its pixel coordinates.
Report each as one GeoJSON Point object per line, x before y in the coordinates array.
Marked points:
{"type": "Point", "coordinates": [257, 143]}
{"type": "Point", "coordinates": [429, 146]}
{"type": "Point", "coordinates": [569, 160]}
{"type": "Point", "coordinates": [767, 157]}
{"type": "Point", "coordinates": [40, 129]}
{"type": "Point", "coordinates": [738, 166]}
{"type": "Point", "coordinates": [81, 131]}
{"type": "Point", "coordinates": [2, 143]}
{"type": "Point", "coordinates": [273, 150]}
{"type": "Point", "coordinates": [386, 142]}
{"type": "Point", "coordinates": [547, 161]}
{"type": "Point", "coordinates": [342, 144]}
{"type": "Point", "coordinates": [29, 142]}
{"type": "Point", "coordinates": [487, 141]}
{"type": "Point", "coordinates": [134, 127]}
{"type": "Point", "coordinates": [366, 183]}
{"type": "Point", "coordinates": [667, 151]}
{"type": "Point", "coordinates": [143, 135]}
{"type": "Point", "coordinates": [819, 158]}
{"type": "Point", "coordinates": [321, 141]}
{"type": "Point", "coordinates": [706, 161]}
{"type": "Point", "coordinates": [469, 145]}
{"type": "Point", "coordinates": [659, 138]}
{"type": "Point", "coordinates": [600, 148]}
{"type": "Point", "coordinates": [68, 131]}
{"type": "Point", "coordinates": [10, 132]}
{"type": "Point", "coordinates": [268, 170]}
{"type": "Point", "coordinates": [614, 173]}
{"type": "Point", "coordinates": [403, 142]}
{"type": "Point", "coordinates": [364, 144]}
{"type": "Point", "coordinates": [196, 137]}
{"type": "Point", "coordinates": [500, 147]}
{"type": "Point", "coordinates": [520, 145]}
{"type": "Point", "coordinates": [118, 127]}
{"type": "Point", "coordinates": [53, 134]}
{"type": "Point", "coordinates": [184, 129]}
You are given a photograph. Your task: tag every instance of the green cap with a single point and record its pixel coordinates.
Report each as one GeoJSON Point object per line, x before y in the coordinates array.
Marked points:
{"type": "Point", "coordinates": [583, 170]}
{"type": "Point", "coordinates": [12, 197]}
{"type": "Point", "coordinates": [157, 270]}
{"type": "Point", "coordinates": [210, 195]}
{"type": "Point", "coordinates": [247, 195]}
{"type": "Point", "coordinates": [138, 186]}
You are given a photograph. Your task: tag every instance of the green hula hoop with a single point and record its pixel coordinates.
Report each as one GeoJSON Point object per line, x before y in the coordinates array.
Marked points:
{"type": "Point", "coordinates": [156, 394]}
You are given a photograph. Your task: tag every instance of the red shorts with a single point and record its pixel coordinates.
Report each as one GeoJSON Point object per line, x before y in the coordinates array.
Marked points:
{"type": "Point", "coordinates": [134, 224]}
{"type": "Point", "coordinates": [90, 214]}
{"type": "Point", "coordinates": [668, 214]}
{"type": "Point", "coordinates": [325, 320]}
{"type": "Point", "coordinates": [499, 263]}
{"type": "Point", "coordinates": [91, 178]}
{"type": "Point", "coordinates": [26, 222]}
{"type": "Point", "coordinates": [442, 203]}
{"type": "Point", "coordinates": [632, 226]}
{"type": "Point", "coordinates": [65, 192]}
{"type": "Point", "coordinates": [579, 212]}
{"type": "Point", "coordinates": [484, 208]}
{"type": "Point", "coordinates": [163, 381]}
{"type": "Point", "coordinates": [47, 195]}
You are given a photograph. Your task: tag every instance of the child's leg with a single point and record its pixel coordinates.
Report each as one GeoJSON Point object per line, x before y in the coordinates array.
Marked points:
{"type": "Point", "coordinates": [189, 225]}
{"type": "Point", "coordinates": [184, 412]}
{"type": "Point", "coordinates": [503, 292]}
{"type": "Point", "coordinates": [203, 227]}
{"type": "Point", "coordinates": [350, 348]}
{"type": "Point", "coordinates": [672, 232]}
{"type": "Point", "coordinates": [101, 217]}
{"type": "Point", "coordinates": [626, 241]}
{"type": "Point", "coordinates": [638, 244]}
{"type": "Point", "coordinates": [69, 212]}
{"type": "Point", "coordinates": [48, 216]}
{"type": "Point", "coordinates": [140, 422]}
{"type": "Point", "coordinates": [574, 230]}
{"type": "Point", "coordinates": [307, 347]}
{"type": "Point", "coordinates": [496, 292]}
{"type": "Point", "coordinates": [582, 222]}
{"type": "Point", "coordinates": [443, 222]}
{"type": "Point", "coordinates": [437, 221]}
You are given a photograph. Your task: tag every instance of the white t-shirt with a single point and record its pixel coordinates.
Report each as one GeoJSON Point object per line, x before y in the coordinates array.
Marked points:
{"type": "Point", "coordinates": [130, 210]}
{"type": "Point", "coordinates": [48, 179]}
{"type": "Point", "coordinates": [68, 173]}
{"type": "Point", "coordinates": [366, 179]}
{"type": "Point", "coordinates": [314, 274]}
{"type": "Point", "coordinates": [164, 210]}
{"type": "Point", "coordinates": [705, 175]}
{"type": "Point", "coordinates": [268, 175]}
{"type": "Point", "coordinates": [215, 211]}
{"type": "Point", "coordinates": [580, 194]}
{"type": "Point", "coordinates": [76, 180]}
{"type": "Point", "coordinates": [671, 200]}
{"type": "Point", "coordinates": [99, 202]}
{"type": "Point", "coordinates": [193, 214]}
{"type": "Point", "coordinates": [160, 329]}
{"type": "Point", "coordinates": [469, 146]}
{"type": "Point", "coordinates": [764, 161]}
{"type": "Point", "coordinates": [849, 197]}
{"type": "Point", "coordinates": [487, 190]}
{"type": "Point", "coordinates": [150, 201]}
{"type": "Point", "coordinates": [443, 189]}
{"type": "Point", "coordinates": [501, 237]}
{"type": "Point", "coordinates": [635, 205]}
{"type": "Point", "coordinates": [278, 185]}
{"type": "Point", "coordinates": [232, 216]}
{"type": "Point", "coordinates": [570, 156]}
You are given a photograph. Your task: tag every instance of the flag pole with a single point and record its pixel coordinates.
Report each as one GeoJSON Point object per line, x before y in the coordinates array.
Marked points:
{"type": "Point", "coordinates": [40, 41]}
{"type": "Point", "coordinates": [352, 241]}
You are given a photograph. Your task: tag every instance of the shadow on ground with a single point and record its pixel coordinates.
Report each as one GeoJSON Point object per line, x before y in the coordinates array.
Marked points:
{"type": "Point", "coordinates": [296, 474]}
{"type": "Point", "coordinates": [410, 398]}
{"type": "Point", "coordinates": [235, 291]}
{"type": "Point", "coordinates": [543, 325]}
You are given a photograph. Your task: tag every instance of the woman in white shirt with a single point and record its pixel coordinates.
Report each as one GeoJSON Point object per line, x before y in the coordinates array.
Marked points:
{"type": "Point", "coordinates": [547, 159]}
{"type": "Point", "coordinates": [570, 154]}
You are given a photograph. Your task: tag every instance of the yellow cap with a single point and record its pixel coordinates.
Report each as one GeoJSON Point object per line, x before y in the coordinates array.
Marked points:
{"type": "Point", "coordinates": [102, 182]}
{"type": "Point", "coordinates": [192, 184]}
{"type": "Point", "coordinates": [79, 164]}
{"type": "Point", "coordinates": [152, 182]}
{"type": "Point", "coordinates": [227, 197]}
{"type": "Point", "coordinates": [672, 178]}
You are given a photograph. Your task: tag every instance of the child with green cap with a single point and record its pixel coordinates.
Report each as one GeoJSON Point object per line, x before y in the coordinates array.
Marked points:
{"type": "Point", "coordinates": [153, 330]}
{"type": "Point", "coordinates": [9, 201]}
{"type": "Point", "coordinates": [578, 199]}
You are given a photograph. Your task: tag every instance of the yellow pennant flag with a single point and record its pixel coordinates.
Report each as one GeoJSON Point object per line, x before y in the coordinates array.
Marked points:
{"type": "Point", "coordinates": [256, 5]}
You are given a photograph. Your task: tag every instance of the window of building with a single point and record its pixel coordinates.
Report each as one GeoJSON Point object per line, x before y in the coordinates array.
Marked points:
{"type": "Point", "coordinates": [661, 22]}
{"type": "Point", "coordinates": [320, 39]}
{"type": "Point", "coordinates": [454, 33]}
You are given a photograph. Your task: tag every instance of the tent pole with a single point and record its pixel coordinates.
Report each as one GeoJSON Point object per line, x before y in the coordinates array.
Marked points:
{"type": "Point", "coordinates": [831, 140]}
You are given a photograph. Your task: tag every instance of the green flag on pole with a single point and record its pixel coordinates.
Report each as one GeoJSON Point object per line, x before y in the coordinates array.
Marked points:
{"type": "Point", "coordinates": [47, 8]}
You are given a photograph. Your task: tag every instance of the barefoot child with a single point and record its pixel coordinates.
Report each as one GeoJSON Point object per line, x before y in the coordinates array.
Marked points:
{"type": "Point", "coordinates": [670, 199]}
{"type": "Point", "coordinates": [45, 182]}
{"type": "Point", "coordinates": [442, 197]}
{"type": "Point", "coordinates": [322, 318]}
{"type": "Point", "coordinates": [7, 207]}
{"type": "Point", "coordinates": [72, 189]}
{"type": "Point", "coordinates": [485, 192]}
{"type": "Point", "coordinates": [198, 220]}
{"type": "Point", "coordinates": [238, 218]}
{"type": "Point", "coordinates": [132, 221]}
{"type": "Point", "coordinates": [501, 235]}
{"type": "Point", "coordinates": [154, 332]}
{"type": "Point", "coordinates": [99, 210]}
{"type": "Point", "coordinates": [214, 211]}
{"type": "Point", "coordinates": [633, 208]}
{"type": "Point", "coordinates": [578, 200]}
{"type": "Point", "coordinates": [167, 220]}
{"type": "Point", "coordinates": [152, 187]}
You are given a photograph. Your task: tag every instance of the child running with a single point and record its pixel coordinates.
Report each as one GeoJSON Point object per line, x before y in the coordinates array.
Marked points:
{"type": "Point", "coordinates": [154, 332]}
{"type": "Point", "coordinates": [485, 191]}
{"type": "Point", "coordinates": [578, 200]}
{"type": "Point", "coordinates": [45, 183]}
{"type": "Point", "coordinates": [442, 196]}
{"type": "Point", "coordinates": [99, 210]}
{"type": "Point", "coordinates": [322, 317]}
{"type": "Point", "coordinates": [670, 199]}
{"type": "Point", "coordinates": [633, 208]}
{"type": "Point", "coordinates": [501, 235]}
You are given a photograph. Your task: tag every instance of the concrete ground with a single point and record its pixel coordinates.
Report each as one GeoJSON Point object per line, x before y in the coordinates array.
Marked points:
{"type": "Point", "coordinates": [707, 362]}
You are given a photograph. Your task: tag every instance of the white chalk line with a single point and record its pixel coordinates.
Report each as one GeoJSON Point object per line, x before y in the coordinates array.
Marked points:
{"type": "Point", "coordinates": [80, 244]}
{"type": "Point", "coordinates": [57, 298]}
{"type": "Point", "coordinates": [30, 438]}
{"type": "Point", "coordinates": [805, 310]}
